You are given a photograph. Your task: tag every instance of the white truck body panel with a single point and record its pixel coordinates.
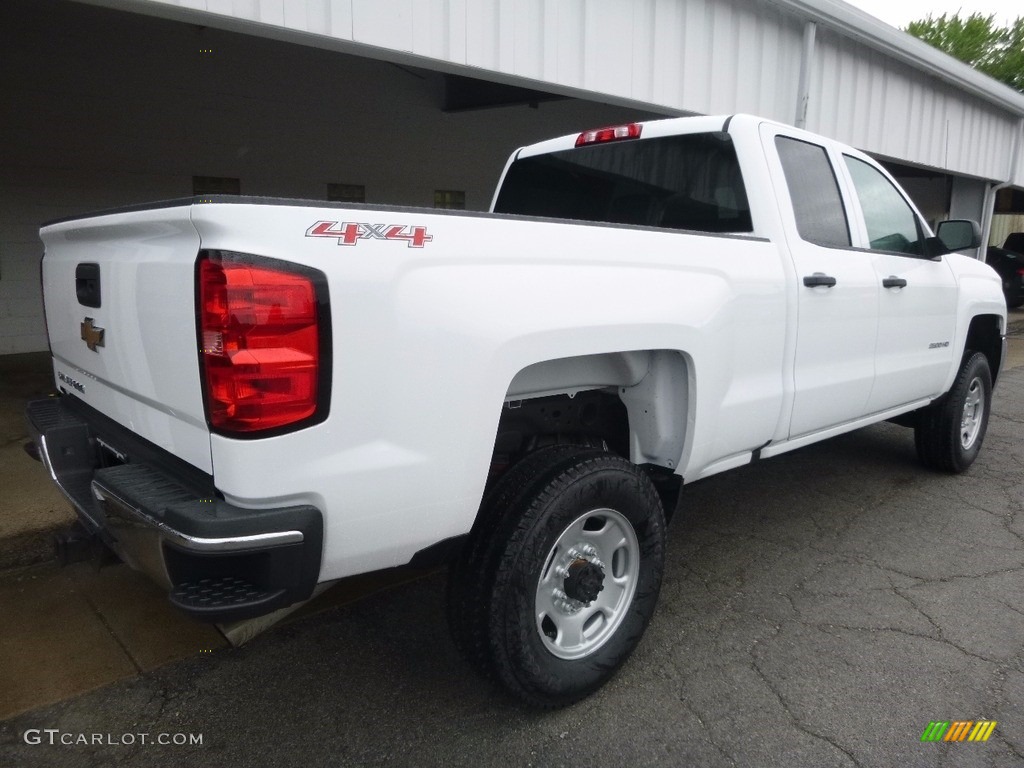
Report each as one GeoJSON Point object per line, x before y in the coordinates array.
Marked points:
{"type": "Point", "coordinates": [716, 333]}
{"type": "Point", "coordinates": [500, 295]}
{"type": "Point", "coordinates": [146, 375]}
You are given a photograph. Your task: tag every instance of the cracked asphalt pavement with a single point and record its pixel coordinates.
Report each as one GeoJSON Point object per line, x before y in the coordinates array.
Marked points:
{"type": "Point", "coordinates": [819, 609]}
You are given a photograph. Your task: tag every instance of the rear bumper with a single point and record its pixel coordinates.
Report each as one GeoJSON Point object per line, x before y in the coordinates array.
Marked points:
{"type": "Point", "coordinates": [218, 562]}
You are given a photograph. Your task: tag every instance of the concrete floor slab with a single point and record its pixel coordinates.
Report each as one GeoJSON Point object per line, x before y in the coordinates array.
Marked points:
{"type": "Point", "coordinates": [54, 644]}
{"type": "Point", "coordinates": [805, 612]}
{"type": "Point", "coordinates": [67, 631]}
{"type": "Point", "coordinates": [31, 508]}
{"type": "Point", "coordinates": [139, 618]}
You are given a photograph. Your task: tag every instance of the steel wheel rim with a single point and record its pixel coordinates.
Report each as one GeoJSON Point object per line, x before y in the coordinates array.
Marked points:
{"type": "Point", "coordinates": [571, 628]}
{"type": "Point", "coordinates": [973, 413]}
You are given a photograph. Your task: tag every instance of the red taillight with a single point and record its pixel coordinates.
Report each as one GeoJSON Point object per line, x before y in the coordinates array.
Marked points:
{"type": "Point", "coordinates": [614, 133]}
{"type": "Point", "coordinates": [260, 337]}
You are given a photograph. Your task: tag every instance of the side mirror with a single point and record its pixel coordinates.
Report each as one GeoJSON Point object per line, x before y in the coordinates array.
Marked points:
{"type": "Point", "coordinates": [959, 234]}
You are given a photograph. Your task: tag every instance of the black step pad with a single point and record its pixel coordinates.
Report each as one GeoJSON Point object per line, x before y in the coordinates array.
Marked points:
{"type": "Point", "coordinates": [217, 593]}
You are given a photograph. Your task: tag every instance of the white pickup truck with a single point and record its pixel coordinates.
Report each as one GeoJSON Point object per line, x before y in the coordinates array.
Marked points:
{"type": "Point", "coordinates": [260, 396]}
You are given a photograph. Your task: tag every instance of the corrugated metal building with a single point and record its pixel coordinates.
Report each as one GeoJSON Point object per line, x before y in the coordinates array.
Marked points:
{"type": "Point", "coordinates": [410, 101]}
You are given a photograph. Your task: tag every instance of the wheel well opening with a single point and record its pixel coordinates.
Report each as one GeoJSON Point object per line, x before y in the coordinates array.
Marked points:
{"type": "Point", "coordinates": [984, 336]}
{"type": "Point", "coordinates": [632, 403]}
{"type": "Point", "coordinates": [594, 417]}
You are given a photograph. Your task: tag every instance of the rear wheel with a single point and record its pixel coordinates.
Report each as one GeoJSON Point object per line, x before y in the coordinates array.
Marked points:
{"type": "Point", "coordinates": [949, 433]}
{"type": "Point", "coordinates": [554, 593]}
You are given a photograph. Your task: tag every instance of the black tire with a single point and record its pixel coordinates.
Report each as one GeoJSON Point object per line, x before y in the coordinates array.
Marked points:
{"type": "Point", "coordinates": [949, 432]}
{"type": "Point", "coordinates": [599, 514]}
{"type": "Point", "coordinates": [471, 575]}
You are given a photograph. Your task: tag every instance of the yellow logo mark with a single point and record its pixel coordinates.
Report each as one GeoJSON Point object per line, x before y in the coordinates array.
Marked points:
{"type": "Point", "coordinates": [982, 730]}
{"type": "Point", "coordinates": [959, 730]}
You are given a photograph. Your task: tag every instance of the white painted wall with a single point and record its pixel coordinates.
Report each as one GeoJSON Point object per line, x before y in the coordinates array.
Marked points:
{"type": "Point", "coordinates": [871, 85]}
{"type": "Point", "coordinates": [117, 108]}
{"type": "Point", "coordinates": [877, 103]}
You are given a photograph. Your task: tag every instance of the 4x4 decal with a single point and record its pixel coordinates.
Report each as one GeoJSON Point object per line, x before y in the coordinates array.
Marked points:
{"type": "Point", "coordinates": [350, 233]}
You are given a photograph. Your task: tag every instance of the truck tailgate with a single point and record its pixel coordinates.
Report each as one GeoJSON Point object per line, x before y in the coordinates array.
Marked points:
{"type": "Point", "coordinates": [119, 293]}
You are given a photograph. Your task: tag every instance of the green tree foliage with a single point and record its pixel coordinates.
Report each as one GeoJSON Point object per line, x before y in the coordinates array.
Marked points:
{"type": "Point", "coordinates": [977, 40]}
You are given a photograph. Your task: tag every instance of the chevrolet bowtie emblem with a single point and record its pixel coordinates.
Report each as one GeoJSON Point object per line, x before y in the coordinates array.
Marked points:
{"type": "Point", "coordinates": [91, 335]}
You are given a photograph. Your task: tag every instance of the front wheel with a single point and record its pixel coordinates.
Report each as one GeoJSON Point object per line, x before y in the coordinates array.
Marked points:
{"type": "Point", "coordinates": [949, 433]}
{"type": "Point", "coordinates": [571, 561]}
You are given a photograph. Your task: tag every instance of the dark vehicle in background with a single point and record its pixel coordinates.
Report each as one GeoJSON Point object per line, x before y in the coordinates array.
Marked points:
{"type": "Point", "coordinates": [1008, 261]}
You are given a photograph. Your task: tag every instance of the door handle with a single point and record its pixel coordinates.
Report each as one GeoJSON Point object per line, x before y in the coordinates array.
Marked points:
{"type": "Point", "coordinates": [819, 279]}
{"type": "Point", "coordinates": [894, 282]}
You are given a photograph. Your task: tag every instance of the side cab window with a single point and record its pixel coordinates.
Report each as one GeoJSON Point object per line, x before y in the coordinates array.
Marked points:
{"type": "Point", "coordinates": [813, 188]}
{"type": "Point", "coordinates": [891, 223]}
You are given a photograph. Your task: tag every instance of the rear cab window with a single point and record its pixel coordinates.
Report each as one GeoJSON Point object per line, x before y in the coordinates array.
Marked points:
{"type": "Point", "coordinates": [814, 190]}
{"type": "Point", "coordinates": [689, 182]}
